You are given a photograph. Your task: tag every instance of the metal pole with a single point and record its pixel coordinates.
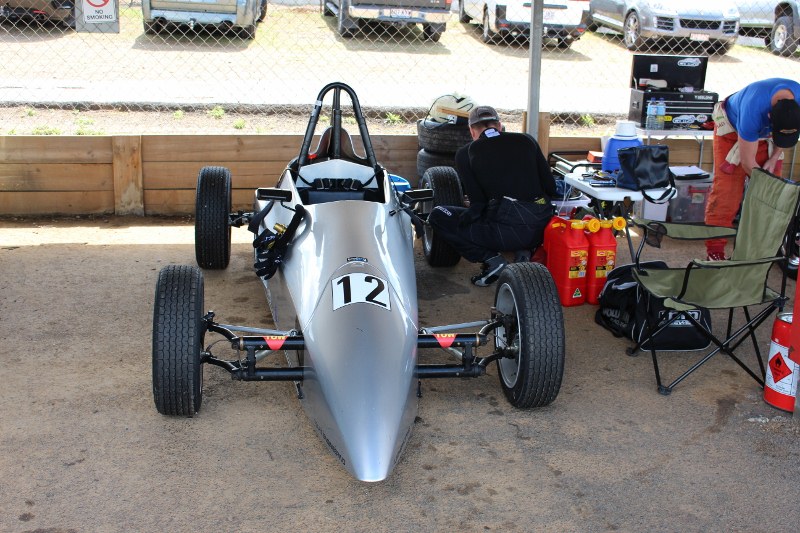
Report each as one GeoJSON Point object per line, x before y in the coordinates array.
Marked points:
{"type": "Point", "coordinates": [535, 67]}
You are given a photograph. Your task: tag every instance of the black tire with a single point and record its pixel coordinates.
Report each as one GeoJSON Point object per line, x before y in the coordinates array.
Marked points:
{"type": "Point", "coordinates": [462, 15]}
{"type": "Point", "coordinates": [791, 250]}
{"type": "Point", "coordinates": [426, 160]}
{"type": "Point", "coordinates": [178, 332]}
{"type": "Point", "coordinates": [343, 21]}
{"type": "Point", "coordinates": [446, 191]}
{"type": "Point", "coordinates": [782, 41]}
{"type": "Point", "coordinates": [527, 294]}
{"type": "Point", "coordinates": [488, 36]}
{"type": "Point", "coordinates": [439, 138]}
{"type": "Point", "coordinates": [326, 11]}
{"type": "Point", "coordinates": [263, 13]}
{"type": "Point", "coordinates": [248, 32]}
{"type": "Point", "coordinates": [432, 32]}
{"type": "Point", "coordinates": [632, 32]}
{"type": "Point", "coordinates": [212, 230]}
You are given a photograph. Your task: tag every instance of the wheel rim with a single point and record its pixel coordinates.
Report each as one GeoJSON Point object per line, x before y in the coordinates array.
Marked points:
{"type": "Point", "coordinates": [509, 368]}
{"type": "Point", "coordinates": [780, 37]}
{"type": "Point", "coordinates": [632, 30]}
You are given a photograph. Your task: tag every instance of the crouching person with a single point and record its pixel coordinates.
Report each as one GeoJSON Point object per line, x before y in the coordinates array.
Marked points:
{"type": "Point", "coordinates": [509, 185]}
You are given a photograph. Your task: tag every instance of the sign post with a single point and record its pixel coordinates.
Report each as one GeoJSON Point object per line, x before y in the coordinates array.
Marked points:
{"type": "Point", "coordinates": [97, 16]}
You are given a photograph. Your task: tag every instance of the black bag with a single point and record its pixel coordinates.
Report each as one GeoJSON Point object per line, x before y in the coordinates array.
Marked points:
{"type": "Point", "coordinates": [646, 167]}
{"type": "Point", "coordinates": [624, 309]}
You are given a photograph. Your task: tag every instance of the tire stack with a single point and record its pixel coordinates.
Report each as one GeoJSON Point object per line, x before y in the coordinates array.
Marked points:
{"type": "Point", "coordinates": [439, 143]}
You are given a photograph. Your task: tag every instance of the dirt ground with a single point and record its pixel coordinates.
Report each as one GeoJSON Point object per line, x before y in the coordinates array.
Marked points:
{"type": "Point", "coordinates": [82, 448]}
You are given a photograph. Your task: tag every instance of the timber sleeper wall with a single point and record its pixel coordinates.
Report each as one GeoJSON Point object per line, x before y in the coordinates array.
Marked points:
{"type": "Point", "coordinates": [157, 174]}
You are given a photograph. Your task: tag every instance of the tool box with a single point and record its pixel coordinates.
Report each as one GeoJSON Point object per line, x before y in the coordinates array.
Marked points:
{"type": "Point", "coordinates": [679, 81]}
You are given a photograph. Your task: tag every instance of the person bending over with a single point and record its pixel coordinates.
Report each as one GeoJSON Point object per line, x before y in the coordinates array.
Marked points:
{"type": "Point", "coordinates": [509, 185]}
{"type": "Point", "coordinates": [752, 127]}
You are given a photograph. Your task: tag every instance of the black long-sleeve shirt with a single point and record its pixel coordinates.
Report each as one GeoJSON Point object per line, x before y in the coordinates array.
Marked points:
{"type": "Point", "coordinates": [500, 164]}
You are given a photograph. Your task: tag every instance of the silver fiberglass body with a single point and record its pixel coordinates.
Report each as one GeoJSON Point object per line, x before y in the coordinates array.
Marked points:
{"type": "Point", "coordinates": [334, 250]}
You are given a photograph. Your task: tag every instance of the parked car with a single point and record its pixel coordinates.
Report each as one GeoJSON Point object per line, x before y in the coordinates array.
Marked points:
{"type": "Point", "coordinates": [564, 20]}
{"type": "Point", "coordinates": [777, 21]}
{"type": "Point", "coordinates": [351, 14]}
{"type": "Point", "coordinates": [715, 22]}
{"type": "Point", "coordinates": [241, 16]}
{"type": "Point", "coordinates": [57, 11]}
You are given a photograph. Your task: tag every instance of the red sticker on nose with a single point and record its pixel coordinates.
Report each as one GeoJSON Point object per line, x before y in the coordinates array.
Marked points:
{"type": "Point", "coordinates": [275, 342]}
{"type": "Point", "coordinates": [445, 339]}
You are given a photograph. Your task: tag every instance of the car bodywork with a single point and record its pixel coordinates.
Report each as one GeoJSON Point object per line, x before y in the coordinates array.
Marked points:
{"type": "Point", "coordinates": [334, 250]}
{"type": "Point", "coordinates": [564, 20]}
{"type": "Point", "coordinates": [350, 15]}
{"type": "Point", "coordinates": [60, 11]}
{"type": "Point", "coordinates": [715, 22]}
{"type": "Point", "coordinates": [239, 15]}
{"type": "Point", "coordinates": [777, 21]}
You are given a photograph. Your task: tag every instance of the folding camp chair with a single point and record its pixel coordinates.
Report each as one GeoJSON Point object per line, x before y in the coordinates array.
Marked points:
{"type": "Point", "coordinates": [770, 204]}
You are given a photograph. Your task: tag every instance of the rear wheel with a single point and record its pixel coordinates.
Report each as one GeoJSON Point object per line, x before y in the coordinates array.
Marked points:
{"type": "Point", "coordinates": [212, 230]}
{"type": "Point", "coordinates": [462, 15]}
{"type": "Point", "coordinates": [432, 32]}
{"type": "Point", "coordinates": [532, 332]}
{"type": "Point", "coordinates": [782, 41]}
{"type": "Point", "coordinates": [263, 13]}
{"type": "Point", "coordinates": [426, 160]}
{"type": "Point", "coordinates": [446, 191]}
{"type": "Point", "coordinates": [345, 24]}
{"type": "Point", "coordinates": [178, 333]}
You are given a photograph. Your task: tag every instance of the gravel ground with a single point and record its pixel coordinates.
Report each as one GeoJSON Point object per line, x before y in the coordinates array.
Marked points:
{"type": "Point", "coordinates": [82, 448]}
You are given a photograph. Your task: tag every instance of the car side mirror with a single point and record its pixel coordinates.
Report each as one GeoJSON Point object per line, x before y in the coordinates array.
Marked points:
{"type": "Point", "coordinates": [418, 195]}
{"type": "Point", "coordinates": [272, 193]}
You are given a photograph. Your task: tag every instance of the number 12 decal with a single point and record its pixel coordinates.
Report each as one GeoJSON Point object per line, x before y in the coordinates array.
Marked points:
{"type": "Point", "coordinates": [358, 288]}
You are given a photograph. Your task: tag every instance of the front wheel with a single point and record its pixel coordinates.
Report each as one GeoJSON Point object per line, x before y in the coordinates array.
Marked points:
{"type": "Point", "coordinates": [532, 335]}
{"type": "Point", "coordinates": [178, 333]}
{"type": "Point", "coordinates": [212, 229]}
{"type": "Point", "coordinates": [632, 32]}
{"type": "Point", "coordinates": [782, 41]}
{"type": "Point", "coordinates": [446, 187]}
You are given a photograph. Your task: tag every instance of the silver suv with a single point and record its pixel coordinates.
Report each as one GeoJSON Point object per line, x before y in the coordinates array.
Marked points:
{"type": "Point", "coordinates": [777, 21]}
{"type": "Point", "coordinates": [241, 16]}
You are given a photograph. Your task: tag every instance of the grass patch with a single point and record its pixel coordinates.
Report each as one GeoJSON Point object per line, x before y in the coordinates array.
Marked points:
{"type": "Point", "coordinates": [218, 112]}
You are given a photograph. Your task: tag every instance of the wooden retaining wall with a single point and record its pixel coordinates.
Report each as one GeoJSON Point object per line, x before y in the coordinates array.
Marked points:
{"type": "Point", "coordinates": [156, 174]}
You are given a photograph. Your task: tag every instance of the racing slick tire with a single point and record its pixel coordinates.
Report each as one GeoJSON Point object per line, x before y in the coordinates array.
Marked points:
{"type": "Point", "coordinates": [426, 160]}
{"type": "Point", "coordinates": [446, 187]}
{"type": "Point", "coordinates": [534, 331]}
{"type": "Point", "coordinates": [178, 333]}
{"type": "Point", "coordinates": [442, 138]}
{"type": "Point", "coordinates": [212, 230]}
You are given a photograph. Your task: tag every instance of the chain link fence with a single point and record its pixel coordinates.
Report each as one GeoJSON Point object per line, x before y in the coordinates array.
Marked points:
{"type": "Point", "coordinates": [231, 73]}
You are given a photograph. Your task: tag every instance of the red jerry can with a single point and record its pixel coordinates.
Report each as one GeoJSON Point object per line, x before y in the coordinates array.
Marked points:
{"type": "Point", "coordinates": [602, 259]}
{"type": "Point", "coordinates": [567, 257]}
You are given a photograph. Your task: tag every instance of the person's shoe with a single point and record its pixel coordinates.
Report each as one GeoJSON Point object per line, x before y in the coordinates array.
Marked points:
{"type": "Point", "coordinates": [491, 271]}
{"type": "Point", "coordinates": [716, 256]}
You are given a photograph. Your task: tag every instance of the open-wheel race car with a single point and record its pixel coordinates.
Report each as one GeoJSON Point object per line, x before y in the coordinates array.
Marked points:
{"type": "Point", "coordinates": [334, 249]}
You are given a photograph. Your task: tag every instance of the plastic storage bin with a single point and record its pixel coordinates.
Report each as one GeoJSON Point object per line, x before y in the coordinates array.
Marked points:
{"type": "Point", "coordinates": [689, 204]}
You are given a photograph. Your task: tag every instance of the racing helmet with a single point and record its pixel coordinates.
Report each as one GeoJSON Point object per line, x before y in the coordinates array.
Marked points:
{"type": "Point", "coordinates": [451, 108]}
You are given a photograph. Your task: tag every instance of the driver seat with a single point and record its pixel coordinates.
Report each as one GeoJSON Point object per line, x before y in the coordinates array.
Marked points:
{"type": "Point", "coordinates": [325, 146]}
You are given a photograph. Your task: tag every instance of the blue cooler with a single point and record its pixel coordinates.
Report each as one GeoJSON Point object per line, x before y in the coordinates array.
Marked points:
{"type": "Point", "coordinates": [624, 137]}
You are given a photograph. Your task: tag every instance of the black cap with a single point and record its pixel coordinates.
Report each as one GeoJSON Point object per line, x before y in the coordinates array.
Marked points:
{"type": "Point", "coordinates": [785, 123]}
{"type": "Point", "coordinates": [482, 113]}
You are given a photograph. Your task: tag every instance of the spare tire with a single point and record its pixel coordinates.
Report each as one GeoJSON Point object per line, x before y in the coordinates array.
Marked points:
{"type": "Point", "coordinates": [426, 160]}
{"type": "Point", "coordinates": [442, 138]}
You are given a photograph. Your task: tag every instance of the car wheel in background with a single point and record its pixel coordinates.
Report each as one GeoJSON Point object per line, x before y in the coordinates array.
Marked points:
{"type": "Point", "coordinates": [263, 13]}
{"type": "Point", "coordinates": [432, 32]}
{"type": "Point", "coordinates": [446, 187]}
{"type": "Point", "coordinates": [462, 15]}
{"type": "Point", "coordinates": [178, 332]}
{"type": "Point", "coordinates": [442, 138]}
{"type": "Point", "coordinates": [344, 23]}
{"type": "Point", "coordinates": [212, 229]}
{"type": "Point", "coordinates": [487, 34]}
{"type": "Point", "coordinates": [532, 335]}
{"type": "Point", "coordinates": [152, 28]}
{"type": "Point", "coordinates": [632, 32]}
{"type": "Point", "coordinates": [248, 32]}
{"type": "Point", "coordinates": [782, 41]}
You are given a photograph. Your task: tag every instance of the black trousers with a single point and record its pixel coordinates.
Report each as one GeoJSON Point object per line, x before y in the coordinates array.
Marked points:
{"type": "Point", "coordinates": [507, 226]}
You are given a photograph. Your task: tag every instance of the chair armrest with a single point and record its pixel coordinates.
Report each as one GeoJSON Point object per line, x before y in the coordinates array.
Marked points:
{"type": "Point", "coordinates": [683, 231]}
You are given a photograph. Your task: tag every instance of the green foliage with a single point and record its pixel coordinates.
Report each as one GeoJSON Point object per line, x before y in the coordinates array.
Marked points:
{"type": "Point", "coordinates": [393, 119]}
{"type": "Point", "coordinates": [30, 112]}
{"type": "Point", "coordinates": [218, 112]}
{"type": "Point", "coordinates": [178, 115]}
{"type": "Point", "coordinates": [587, 120]}
{"type": "Point", "coordinates": [45, 130]}
{"type": "Point", "coordinates": [239, 123]}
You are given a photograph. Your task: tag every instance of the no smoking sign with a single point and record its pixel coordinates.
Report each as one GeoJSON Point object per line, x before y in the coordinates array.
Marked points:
{"type": "Point", "coordinates": [99, 11]}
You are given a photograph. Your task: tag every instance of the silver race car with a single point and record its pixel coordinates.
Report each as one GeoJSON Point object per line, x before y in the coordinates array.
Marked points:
{"type": "Point", "coordinates": [334, 249]}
